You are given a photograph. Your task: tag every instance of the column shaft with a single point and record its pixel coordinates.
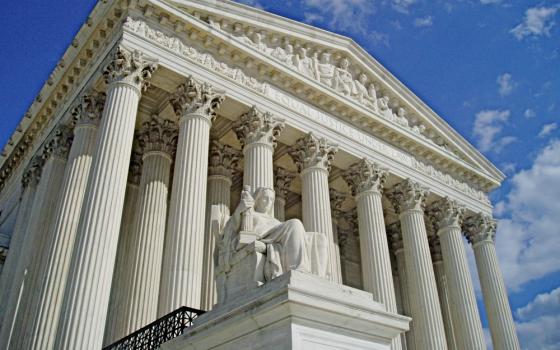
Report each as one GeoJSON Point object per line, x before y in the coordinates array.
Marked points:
{"type": "Point", "coordinates": [86, 298]}
{"type": "Point", "coordinates": [146, 245]}
{"type": "Point", "coordinates": [464, 310]}
{"type": "Point", "coordinates": [115, 323]}
{"type": "Point", "coordinates": [58, 252]}
{"type": "Point", "coordinates": [376, 262]}
{"type": "Point", "coordinates": [444, 302]}
{"type": "Point", "coordinates": [429, 332]}
{"type": "Point", "coordinates": [405, 294]}
{"type": "Point", "coordinates": [257, 169]}
{"type": "Point", "coordinates": [21, 291]}
{"type": "Point", "coordinates": [219, 187]}
{"type": "Point", "coordinates": [280, 208]}
{"type": "Point", "coordinates": [498, 311]}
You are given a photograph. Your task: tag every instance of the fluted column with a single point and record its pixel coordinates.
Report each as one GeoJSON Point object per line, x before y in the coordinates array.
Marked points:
{"type": "Point", "coordinates": [429, 334]}
{"type": "Point", "coordinates": [481, 230]}
{"type": "Point", "coordinates": [257, 131]}
{"type": "Point", "coordinates": [222, 163]}
{"type": "Point", "coordinates": [157, 141]}
{"type": "Point", "coordinates": [195, 104]}
{"type": "Point", "coordinates": [282, 182]}
{"type": "Point", "coordinates": [87, 294]}
{"type": "Point", "coordinates": [29, 182]}
{"type": "Point", "coordinates": [367, 180]}
{"type": "Point", "coordinates": [443, 292]}
{"type": "Point", "coordinates": [398, 293]}
{"type": "Point", "coordinates": [337, 199]}
{"type": "Point", "coordinates": [446, 216]}
{"type": "Point", "coordinates": [115, 324]}
{"type": "Point", "coordinates": [395, 236]}
{"type": "Point", "coordinates": [313, 158]}
{"type": "Point", "coordinates": [54, 153]}
{"type": "Point", "coordinates": [58, 251]}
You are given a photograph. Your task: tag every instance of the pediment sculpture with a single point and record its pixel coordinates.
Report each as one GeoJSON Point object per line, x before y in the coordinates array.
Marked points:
{"type": "Point", "coordinates": [253, 247]}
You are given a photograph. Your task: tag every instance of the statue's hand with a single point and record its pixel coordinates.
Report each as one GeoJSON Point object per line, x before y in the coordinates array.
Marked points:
{"type": "Point", "coordinates": [246, 202]}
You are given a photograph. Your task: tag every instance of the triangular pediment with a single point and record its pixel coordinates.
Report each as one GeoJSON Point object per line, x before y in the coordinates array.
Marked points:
{"type": "Point", "coordinates": [332, 69]}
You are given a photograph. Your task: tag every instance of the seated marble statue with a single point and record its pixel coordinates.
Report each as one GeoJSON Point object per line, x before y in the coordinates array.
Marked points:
{"type": "Point", "coordinates": [287, 245]}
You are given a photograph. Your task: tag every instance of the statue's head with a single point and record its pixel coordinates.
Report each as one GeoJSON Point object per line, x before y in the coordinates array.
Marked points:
{"type": "Point", "coordinates": [264, 201]}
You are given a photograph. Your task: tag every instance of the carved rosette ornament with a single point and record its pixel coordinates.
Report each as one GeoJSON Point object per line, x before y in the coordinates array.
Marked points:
{"type": "Point", "coordinates": [445, 213]}
{"type": "Point", "coordinates": [59, 142]}
{"type": "Point", "coordinates": [129, 67]}
{"type": "Point", "coordinates": [32, 173]}
{"type": "Point", "coordinates": [282, 182]}
{"type": "Point", "coordinates": [258, 127]}
{"type": "Point", "coordinates": [196, 98]}
{"type": "Point", "coordinates": [365, 176]}
{"type": "Point", "coordinates": [408, 195]}
{"type": "Point", "coordinates": [223, 160]}
{"type": "Point", "coordinates": [313, 152]}
{"type": "Point", "coordinates": [480, 228]}
{"type": "Point", "coordinates": [158, 135]}
{"type": "Point", "coordinates": [89, 109]}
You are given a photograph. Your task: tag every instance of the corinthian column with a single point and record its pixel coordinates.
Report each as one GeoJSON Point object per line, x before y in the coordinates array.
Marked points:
{"type": "Point", "coordinates": [446, 215]}
{"type": "Point", "coordinates": [481, 230]}
{"type": "Point", "coordinates": [58, 251]}
{"type": "Point", "coordinates": [54, 154]}
{"type": "Point", "coordinates": [195, 104]}
{"type": "Point", "coordinates": [115, 324]}
{"type": "Point", "coordinates": [313, 158]}
{"type": "Point", "coordinates": [443, 292]}
{"type": "Point", "coordinates": [222, 163]}
{"type": "Point", "coordinates": [257, 131]}
{"type": "Point", "coordinates": [87, 293]}
{"type": "Point", "coordinates": [408, 199]}
{"type": "Point", "coordinates": [29, 181]}
{"type": "Point", "coordinates": [395, 237]}
{"type": "Point", "coordinates": [157, 141]}
{"type": "Point", "coordinates": [282, 182]}
{"type": "Point", "coordinates": [367, 180]}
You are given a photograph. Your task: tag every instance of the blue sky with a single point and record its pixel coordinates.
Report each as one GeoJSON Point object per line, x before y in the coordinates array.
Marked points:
{"type": "Point", "coordinates": [488, 67]}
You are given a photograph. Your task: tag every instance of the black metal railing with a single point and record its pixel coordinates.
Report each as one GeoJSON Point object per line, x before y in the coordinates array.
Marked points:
{"type": "Point", "coordinates": [158, 332]}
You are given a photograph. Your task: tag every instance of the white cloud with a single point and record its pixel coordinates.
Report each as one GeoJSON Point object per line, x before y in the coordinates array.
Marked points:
{"type": "Point", "coordinates": [341, 15]}
{"type": "Point", "coordinates": [527, 239]}
{"type": "Point", "coordinates": [487, 125]}
{"type": "Point", "coordinates": [547, 129]}
{"type": "Point", "coordinates": [505, 84]}
{"type": "Point", "coordinates": [427, 21]}
{"type": "Point", "coordinates": [487, 2]}
{"type": "Point", "coordinates": [529, 113]}
{"type": "Point", "coordinates": [537, 22]}
{"type": "Point", "coordinates": [540, 321]}
{"type": "Point", "coordinates": [402, 6]}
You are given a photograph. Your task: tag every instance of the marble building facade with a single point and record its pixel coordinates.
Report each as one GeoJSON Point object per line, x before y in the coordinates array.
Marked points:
{"type": "Point", "coordinates": [161, 109]}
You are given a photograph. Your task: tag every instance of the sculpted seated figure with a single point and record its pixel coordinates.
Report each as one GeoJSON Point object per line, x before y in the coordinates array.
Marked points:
{"type": "Point", "coordinates": [254, 241]}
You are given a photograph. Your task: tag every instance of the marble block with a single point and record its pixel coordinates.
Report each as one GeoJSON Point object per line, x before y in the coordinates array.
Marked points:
{"type": "Point", "coordinates": [295, 311]}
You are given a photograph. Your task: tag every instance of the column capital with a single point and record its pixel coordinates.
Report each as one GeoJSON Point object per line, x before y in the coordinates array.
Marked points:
{"type": "Point", "coordinates": [445, 213]}
{"type": "Point", "coordinates": [135, 168]}
{"type": "Point", "coordinates": [435, 248]}
{"type": "Point", "coordinates": [313, 152]}
{"type": "Point", "coordinates": [32, 172]}
{"type": "Point", "coordinates": [58, 143]}
{"type": "Point", "coordinates": [282, 182]}
{"type": "Point", "coordinates": [365, 176]}
{"type": "Point", "coordinates": [89, 109]}
{"type": "Point", "coordinates": [196, 98]}
{"type": "Point", "coordinates": [129, 67]}
{"type": "Point", "coordinates": [350, 219]}
{"type": "Point", "coordinates": [256, 126]}
{"type": "Point", "coordinates": [480, 228]}
{"type": "Point", "coordinates": [336, 198]}
{"type": "Point", "coordinates": [158, 135]}
{"type": "Point", "coordinates": [408, 195]}
{"type": "Point", "coordinates": [223, 159]}
{"type": "Point", "coordinates": [395, 236]}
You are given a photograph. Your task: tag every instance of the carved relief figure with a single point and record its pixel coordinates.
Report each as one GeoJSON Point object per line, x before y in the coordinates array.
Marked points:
{"type": "Point", "coordinates": [384, 109]}
{"type": "Point", "coordinates": [401, 117]}
{"type": "Point", "coordinates": [288, 246]}
{"type": "Point", "coordinates": [343, 80]}
{"type": "Point", "coordinates": [285, 54]}
{"type": "Point", "coordinates": [372, 98]}
{"type": "Point", "coordinates": [324, 69]}
{"type": "Point", "coordinates": [258, 42]}
{"type": "Point", "coordinates": [304, 64]}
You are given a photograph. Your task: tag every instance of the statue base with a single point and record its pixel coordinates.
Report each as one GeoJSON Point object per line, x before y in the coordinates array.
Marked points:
{"type": "Point", "coordinates": [295, 311]}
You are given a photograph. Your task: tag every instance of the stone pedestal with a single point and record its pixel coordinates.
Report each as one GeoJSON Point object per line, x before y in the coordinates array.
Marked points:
{"type": "Point", "coordinates": [295, 311]}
